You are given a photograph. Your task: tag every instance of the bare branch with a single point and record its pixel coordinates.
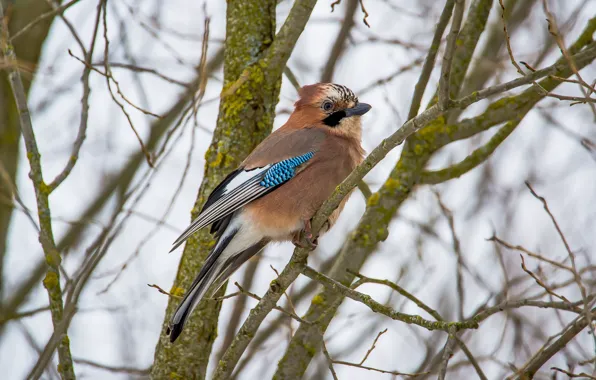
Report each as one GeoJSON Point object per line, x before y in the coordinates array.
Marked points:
{"type": "Point", "coordinates": [550, 349]}
{"type": "Point", "coordinates": [447, 352]}
{"type": "Point", "coordinates": [385, 310]}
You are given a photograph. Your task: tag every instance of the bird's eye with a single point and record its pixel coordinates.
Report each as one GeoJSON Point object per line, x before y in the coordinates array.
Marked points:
{"type": "Point", "coordinates": [327, 106]}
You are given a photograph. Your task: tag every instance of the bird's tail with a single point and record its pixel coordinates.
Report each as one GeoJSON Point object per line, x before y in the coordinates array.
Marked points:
{"type": "Point", "coordinates": [214, 273]}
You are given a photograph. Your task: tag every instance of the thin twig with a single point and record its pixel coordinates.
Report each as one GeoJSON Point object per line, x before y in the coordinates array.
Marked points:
{"type": "Point", "coordinates": [114, 369]}
{"type": "Point", "coordinates": [471, 358]}
{"type": "Point", "coordinates": [514, 304]}
{"type": "Point", "coordinates": [288, 313]}
{"type": "Point", "coordinates": [372, 347]}
{"type": "Point", "coordinates": [139, 69]}
{"type": "Point", "coordinates": [329, 360]}
{"type": "Point", "coordinates": [364, 19]}
{"type": "Point", "coordinates": [574, 271]}
{"type": "Point", "coordinates": [395, 373]}
{"type": "Point", "coordinates": [507, 41]}
{"type": "Point", "coordinates": [82, 132]}
{"type": "Point", "coordinates": [554, 31]}
{"type": "Point", "coordinates": [42, 17]}
{"type": "Point", "coordinates": [292, 78]}
{"type": "Point", "coordinates": [400, 290]}
{"type": "Point", "coordinates": [447, 352]}
{"type": "Point", "coordinates": [539, 281]}
{"type": "Point", "coordinates": [528, 252]}
{"type": "Point", "coordinates": [108, 82]}
{"type": "Point", "coordinates": [458, 254]}
{"type": "Point", "coordinates": [23, 314]}
{"type": "Point", "coordinates": [572, 375]}
{"type": "Point", "coordinates": [159, 289]}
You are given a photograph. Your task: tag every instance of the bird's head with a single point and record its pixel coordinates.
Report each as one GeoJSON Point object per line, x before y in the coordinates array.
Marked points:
{"type": "Point", "coordinates": [333, 107]}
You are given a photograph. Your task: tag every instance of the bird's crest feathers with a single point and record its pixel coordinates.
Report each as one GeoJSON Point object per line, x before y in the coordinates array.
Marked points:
{"type": "Point", "coordinates": [315, 93]}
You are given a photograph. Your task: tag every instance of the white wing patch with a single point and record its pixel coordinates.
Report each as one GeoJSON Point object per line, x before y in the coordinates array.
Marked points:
{"type": "Point", "coordinates": [243, 177]}
{"type": "Point", "coordinates": [242, 189]}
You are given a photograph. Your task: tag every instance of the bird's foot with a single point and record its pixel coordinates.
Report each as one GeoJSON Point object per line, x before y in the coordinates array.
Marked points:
{"type": "Point", "coordinates": [306, 234]}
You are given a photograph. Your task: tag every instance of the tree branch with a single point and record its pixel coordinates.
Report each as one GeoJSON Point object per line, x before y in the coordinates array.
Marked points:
{"type": "Point", "coordinates": [429, 62]}
{"type": "Point", "coordinates": [447, 352]}
{"type": "Point", "coordinates": [382, 309]}
{"type": "Point", "coordinates": [476, 158]}
{"type": "Point", "coordinates": [548, 350]}
{"type": "Point", "coordinates": [444, 82]}
{"type": "Point", "coordinates": [46, 236]}
{"type": "Point", "coordinates": [252, 81]}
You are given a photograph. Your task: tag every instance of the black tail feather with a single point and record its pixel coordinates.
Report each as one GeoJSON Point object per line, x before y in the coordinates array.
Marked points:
{"type": "Point", "coordinates": [197, 289]}
{"type": "Point", "coordinates": [224, 272]}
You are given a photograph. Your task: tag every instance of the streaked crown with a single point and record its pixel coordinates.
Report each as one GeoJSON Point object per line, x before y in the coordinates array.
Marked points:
{"type": "Point", "coordinates": [314, 93]}
{"type": "Point", "coordinates": [339, 93]}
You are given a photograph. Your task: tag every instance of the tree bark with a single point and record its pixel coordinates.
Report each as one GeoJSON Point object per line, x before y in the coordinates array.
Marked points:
{"type": "Point", "coordinates": [246, 116]}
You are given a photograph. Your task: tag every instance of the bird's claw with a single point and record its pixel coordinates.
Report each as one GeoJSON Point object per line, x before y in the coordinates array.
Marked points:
{"type": "Point", "coordinates": [310, 243]}
{"type": "Point", "coordinates": [307, 235]}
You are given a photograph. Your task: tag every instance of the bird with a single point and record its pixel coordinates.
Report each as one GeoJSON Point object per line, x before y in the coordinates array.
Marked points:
{"type": "Point", "coordinates": [278, 188]}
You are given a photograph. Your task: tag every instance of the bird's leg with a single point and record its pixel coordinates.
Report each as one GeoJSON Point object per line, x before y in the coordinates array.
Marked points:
{"type": "Point", "coordinates": [306, 232]}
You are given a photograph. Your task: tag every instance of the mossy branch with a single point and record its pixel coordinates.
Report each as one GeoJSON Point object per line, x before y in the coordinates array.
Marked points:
{"type": "Point", "coordinates": [466, 43]}
{"type": "Point", "coordinates": [28, 49]}
{"type": "Point", "coordinates": [444, 81]}
{"type": "Point", "coordinates": [476, 158]}
{"type": "Point", "coordinates": [258, 313]}
{"type": "Point", "coordinates": [255, 59]}
{"type": "Point", "coordinates": [429, 61]}
{"type": "Point", "coordinates": [245, 117]}
{"type": "Point", "coordinates": [382, 309]}
{"type": "Point", "coordinates": [506, 108]}
{"type": "Point", "coordinates": [46, 236]}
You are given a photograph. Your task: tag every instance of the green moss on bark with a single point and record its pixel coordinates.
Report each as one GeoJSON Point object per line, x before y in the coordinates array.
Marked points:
{"type": "Point", "coordinates": [246, 114]}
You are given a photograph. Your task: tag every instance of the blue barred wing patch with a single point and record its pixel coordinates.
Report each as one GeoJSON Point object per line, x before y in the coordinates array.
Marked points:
{"type": "Point", "coordinates": [284, 170]}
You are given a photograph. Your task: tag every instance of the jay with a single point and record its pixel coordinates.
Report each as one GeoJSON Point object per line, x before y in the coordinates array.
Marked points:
{"type": "Point", "coordinates": [278, 188]}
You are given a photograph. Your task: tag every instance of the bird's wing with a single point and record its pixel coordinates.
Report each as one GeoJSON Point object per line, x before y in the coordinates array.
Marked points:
{"type": "Point", "coordinates": [286, 142]}
{"type": "Point", "coordinates": [241, 187]}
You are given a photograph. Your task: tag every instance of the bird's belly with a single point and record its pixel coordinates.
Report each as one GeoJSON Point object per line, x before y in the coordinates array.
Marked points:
{"type": "Point", "coordinates": [274, 223]}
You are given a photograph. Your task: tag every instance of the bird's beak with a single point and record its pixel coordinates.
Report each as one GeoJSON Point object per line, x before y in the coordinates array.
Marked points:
{"type": "Point", "coordinates": [358, 110]}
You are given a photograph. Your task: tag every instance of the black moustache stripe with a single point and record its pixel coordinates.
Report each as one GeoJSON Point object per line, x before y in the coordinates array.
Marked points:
{"type": "Point", "coordinates": [334, 119]}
